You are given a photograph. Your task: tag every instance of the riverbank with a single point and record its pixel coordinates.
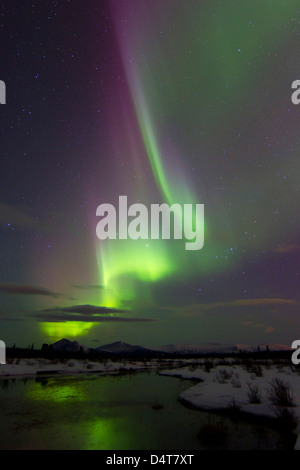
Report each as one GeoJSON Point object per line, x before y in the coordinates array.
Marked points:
{"type": "Point", "coordinates": [270, 391]}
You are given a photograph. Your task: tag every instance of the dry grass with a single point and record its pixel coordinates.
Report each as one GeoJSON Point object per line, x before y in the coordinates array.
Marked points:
{"type": "Point", "coordinates": [254, 393]}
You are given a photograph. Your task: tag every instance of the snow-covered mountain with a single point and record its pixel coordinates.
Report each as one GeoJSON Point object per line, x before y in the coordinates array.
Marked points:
{"type": "Point", "coordinates": [121, 348]}
{"type": "Point", "coordinates": [64, 345]}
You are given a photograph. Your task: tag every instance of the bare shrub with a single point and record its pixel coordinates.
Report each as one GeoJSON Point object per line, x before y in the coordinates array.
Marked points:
{"type": "Point", "coordinates": [257, 370]}
{"type": "Point", "coordinates": [233, 408]}
{"type": "Point", "coordinates": [223, 376]}
{"type": "Point", "coordinates": [280, 394]}
{"type": "Point", "coordinates": [254, 393]}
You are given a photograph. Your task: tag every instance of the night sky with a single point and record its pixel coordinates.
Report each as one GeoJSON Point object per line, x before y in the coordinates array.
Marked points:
{"type": "Point", "coordinates": [167, 101]}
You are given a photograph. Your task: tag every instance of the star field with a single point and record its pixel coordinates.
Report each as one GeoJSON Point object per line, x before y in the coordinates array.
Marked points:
{"type": "Point", "coordinates": [186, 102]}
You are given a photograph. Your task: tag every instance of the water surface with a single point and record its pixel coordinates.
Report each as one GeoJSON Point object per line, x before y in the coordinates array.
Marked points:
{"type": "Point", "coordinates": [137, 411]}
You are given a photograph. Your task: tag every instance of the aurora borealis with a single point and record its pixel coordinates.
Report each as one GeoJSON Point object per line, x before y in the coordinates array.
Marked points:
{"type": "Point", "coordinates": [163, 102]}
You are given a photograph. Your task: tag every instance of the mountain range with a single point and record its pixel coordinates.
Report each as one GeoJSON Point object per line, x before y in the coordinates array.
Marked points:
{"type": "Point", "coordinates": [124, 349]}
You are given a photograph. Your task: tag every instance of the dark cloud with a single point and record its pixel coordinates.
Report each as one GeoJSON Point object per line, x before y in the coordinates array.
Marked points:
{"type": "Point", "coordinates": [85, 313]}
{"type": "Point", "coordinates": [86, 310]}
{"type": "Point", "coordinates": [20, 289]}
{"type": "Point", "coordinates": [65, 317]}
{"type": "Point", "coordinates": [12, 319]}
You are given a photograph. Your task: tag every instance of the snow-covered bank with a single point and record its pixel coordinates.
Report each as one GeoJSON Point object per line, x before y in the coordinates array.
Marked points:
{"type": "Point", "coordinates": [37, 366]}
{"type": "Point", "coordinates": [240, 386]}
{"type": "Point", "coordinates": [33, 367]}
